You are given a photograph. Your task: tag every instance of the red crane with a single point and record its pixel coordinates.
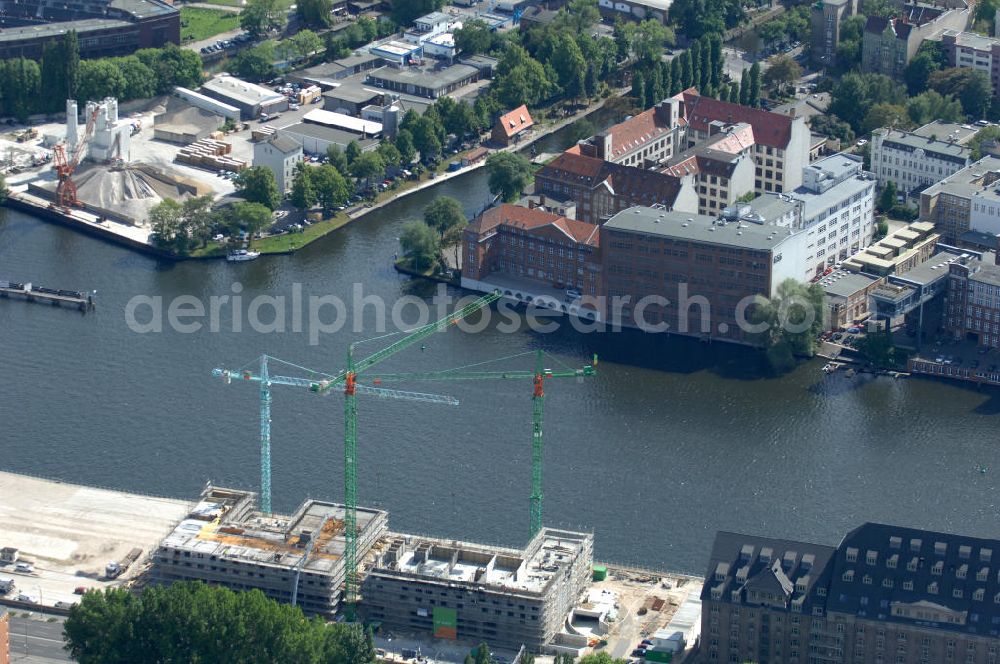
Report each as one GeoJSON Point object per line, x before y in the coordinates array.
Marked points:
{"type": "Point", "coordinates": [65, 167]}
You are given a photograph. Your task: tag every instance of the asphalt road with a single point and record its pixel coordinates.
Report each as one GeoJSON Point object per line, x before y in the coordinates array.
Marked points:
{"type": "Point", "coordinates": [35, 640]}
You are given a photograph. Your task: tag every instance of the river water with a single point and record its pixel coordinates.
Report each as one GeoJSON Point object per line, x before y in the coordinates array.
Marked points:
{"type": "Point", "coordinates": [673, 440]}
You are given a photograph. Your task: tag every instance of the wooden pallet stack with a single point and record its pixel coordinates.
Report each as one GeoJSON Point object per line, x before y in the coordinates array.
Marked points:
{"type": "Point", "coordinates": [212, 154]}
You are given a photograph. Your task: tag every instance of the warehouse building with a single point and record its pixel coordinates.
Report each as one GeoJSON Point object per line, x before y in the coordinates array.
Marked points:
{"type": "Point", "coordinates": [350, 99]}
{"type": "Point", "coordinates": [317, 138]}
{"type": "Point", "coordinates": [252, 100]}
{"type": "Point", "coordinates": [457, 590]}
{"type": "Point", "coordinates": [104, 28]}
{"type": "Point", "coordinates": [226, 541]}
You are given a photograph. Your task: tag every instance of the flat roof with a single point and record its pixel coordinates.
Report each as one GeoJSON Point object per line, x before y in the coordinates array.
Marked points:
{"type": "Point", "coordinates": [842, 283]}
{"type": "Point", "coordinates": [273, 540]}
{"type": "Point", "coordinates": [967, 182]}
{"type": "Point", "coordinates": [545, 559]}
{"type": "Point", "coordinates": [433, 17]}
{"type": "Point", "coordinates": [699, 228]}
{"type": "Point", "coordinates": [815, 204]}
{"type": "Point", "coordinates": [342, 121]}
{"type": "Point", "coordinates": [240, 90]}
{"type": "Point", "coordinates": [325, 133]}
{"type": "Point", "coordinates": [60, 28]}
{"type": "Point", "coordinates": [354, 94]}
{"type": "Point", "coordinates": [929, 271]}
{"type": "Point", "coordinates": [972, 40]}
{"type": "Point", "coordinates": [425, 78]}
{"type": "Point", "coordinates": [935, 143]}
{"type": "Point", "coordinates": [942, 130]}
{"type": "Point", "coordinates": [395, 48]}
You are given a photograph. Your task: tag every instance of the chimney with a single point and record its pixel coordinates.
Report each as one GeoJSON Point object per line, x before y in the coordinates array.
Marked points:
{"type": "Point", "coordinates": [541, 200]}
{"type": "Point", "coordinates": [604, 143]}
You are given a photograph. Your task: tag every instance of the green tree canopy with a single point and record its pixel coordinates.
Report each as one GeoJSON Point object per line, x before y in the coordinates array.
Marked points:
{"type": "Point", "coordinates": [443, 214]}
{"type": "Point", "coordinates": [337, 158]}
{"type": "Point", "coordinates": [332, 189]}
{"type": "Point", "coordinates": [262, 16]}
{"type": "Point", "coordinates": [257, 185]}
{"type": "Point", "coordinates": [251, 217]}
{"type": "Point", "coordinates": [783, 70]}
{"type": "Point", "coordinates": [475, 37]}
{"type": "Point", "coordinates": [509, 174]}
{"type": "Point", "coordinates": [199, 623]}
{"type": "Point", "coordinates": [791, 321]}
{"type": "Point", "coordinates": [303, 194]}
{"type": "Point", "coordinates": [317, 13]}
{"type": "Point", "coordinates": [368, 165]}
{"type": "Point", "coordinates": [420, 245]}
{"type": "Point", "coordinates": [404, 143]}
{"type": "Point", "coordinates": [405, 11]}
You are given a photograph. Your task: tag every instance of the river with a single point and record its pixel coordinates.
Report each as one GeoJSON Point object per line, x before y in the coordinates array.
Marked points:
{"type": "Point", "coordinates": [673, 440]}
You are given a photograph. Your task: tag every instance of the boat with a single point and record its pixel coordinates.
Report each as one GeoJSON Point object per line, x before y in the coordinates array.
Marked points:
{"type": "Point", "coordinates": [241, 255]}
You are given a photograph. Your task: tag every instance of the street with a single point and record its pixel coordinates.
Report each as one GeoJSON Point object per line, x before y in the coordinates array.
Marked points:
{"type": "Point", "coordinates": [35, 640]}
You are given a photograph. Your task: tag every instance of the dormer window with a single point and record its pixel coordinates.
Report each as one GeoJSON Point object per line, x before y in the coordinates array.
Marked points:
{"type": "Point", "coordinates": [983, 574]}
{"type": "Point", "coordinates": [964, 552]}
{"type": "Point", "coordinates": [940, 548]}
{"type": "Point", "coordinates": [912, 565]}
{"type": "Point", "coordinates": [892, 561]}
{"type": "Point", "coordinates": [986, 555]}
{"type": "Point", "coordinates": [915, 545]}
{"type": "Point", "coordinates": [937, 568]}
{"type": "Point", "coordinates": [962, 572]}
{"type": "Point", "coordinates": [871, 557]}
{"type": "Point", "coordinates": [932, 588]}
{"type": "Point", "coordinates": [852, 554]}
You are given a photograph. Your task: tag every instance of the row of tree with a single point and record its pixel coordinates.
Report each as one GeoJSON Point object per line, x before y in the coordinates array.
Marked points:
{"type": "Point", "coordinates": [28, 87]}
{"type": "Point", "coordinates": [701, 67]}
{"type": "Point", "coordinates": [196, 623]}
{"type": "Point", "coordinates": [182, 227]}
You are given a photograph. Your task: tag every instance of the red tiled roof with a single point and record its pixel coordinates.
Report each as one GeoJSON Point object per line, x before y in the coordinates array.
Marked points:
{"type": "Point", "coordinates": [771, 129]}
{"type": "Point", "coordinates": [534, 219]}
{"type": "Point", "coordinates": [637, 130]}
{"type": "Point", "coordinates": [516, 121]}
{"type": "Point", "coordinates": [629, 181]}
{"type": "Point", "coordinates": [572, 163]}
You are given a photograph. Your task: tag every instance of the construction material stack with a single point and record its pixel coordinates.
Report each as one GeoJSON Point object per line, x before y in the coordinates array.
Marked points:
{"type": "Point", "coordinates": [212, 154]}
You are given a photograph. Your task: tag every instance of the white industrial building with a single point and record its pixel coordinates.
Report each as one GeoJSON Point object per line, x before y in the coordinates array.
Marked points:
{"type": "Point", "coordinates": [208, 104]}
{"type": "Point", "coordinates": [280, 153]}
{"type": "Point", "coordinates": [112, 136]}
{"type": "Point", "coordinates": [251, 99]}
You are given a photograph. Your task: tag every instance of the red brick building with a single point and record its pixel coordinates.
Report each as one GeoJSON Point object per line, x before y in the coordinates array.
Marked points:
{"type": "Point", "coordinates": [603, 188]}
{"type": "Point", "coordinates": [530, 252]}
{"type": "Point", "coordinates": [510, 126]}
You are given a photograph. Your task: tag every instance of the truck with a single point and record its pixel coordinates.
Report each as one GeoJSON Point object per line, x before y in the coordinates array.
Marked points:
{"type": "Point", "coordinates": [114, 569]}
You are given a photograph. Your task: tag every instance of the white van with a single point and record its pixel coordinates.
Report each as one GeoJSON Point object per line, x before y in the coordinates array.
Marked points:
{"type": "Point", "coordinates": [6, 585]}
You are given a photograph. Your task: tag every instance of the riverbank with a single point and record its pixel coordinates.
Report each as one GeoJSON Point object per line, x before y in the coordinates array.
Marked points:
{"type": "Point", "coordinates": [286, 243]}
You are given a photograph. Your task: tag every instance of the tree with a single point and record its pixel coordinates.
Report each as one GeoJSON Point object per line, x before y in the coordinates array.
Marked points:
{"type": "Point", "coordinates": [3, 189]}
{"type": "Point", "coordinates": [918, 72]}
{"type": "Point", "coordinates": [332, 189]}
{"type": "Point", "coordinates": [196, 622]}
{"type": "Point", "coordinates": [420, 244]}
{"type": "Point", "coordinates": [389, 154]}
{"type": "Point", "coordinates": [262, 16]}
{"type": "Point", "coordinates": [251, 217]}
{"type": "Point", "coordinates": [969, 86]}
{"type": "Point", "coordinates": [567, 60]}
{"type": "Point", "coordinates": [303, 193]}
{"type": "Point", "coordinates": [404, 11]}
{"type": "Point", "coordinates": [71, 53]}
{"type": "Point", "coordinates": [877, 348]}
{"type": "Point", "coordinates": [832, 126]}
{"type": "Point", "coordinates": [100, 79]}
{"type": "Point", "coordinates": [443, 214]}
{"type": "Point", "coordinates": [783, 70]}
{"type": "Point", "coordinates": [425, 138]}
{"type": "Point", "coordinates": [885, 115]}
{"type": "Point", "coordinates": [317, 13]}
{"type": "Point", "coordinates": [404, 143]}
{"type": "Point", "coordinates": [930, 105]}
{"type": "Point", "coordinates": [352, 152]}
{"type": "Point", "coordinates": [474, 37]}
{"type": "Point", "coordinates": [753, 98]}
{"type": "Point", "coordinates": [718, 59]}
{"type": "Point", "coordinates": [792, 319]}
{"type": "Point", "coordinates": [509, 174]}
{"type": "Point", "coordinates": [174, 66]}
{"type": "Point", "coordinates": [20, 81]}
{"type": "Point", "coordinates": [648, 41]}
{"type": "Point", "coordinates": [140, 80]}
{"type": "Point", "coordinates": [165, 221]}
{"type": "Point", "coordinates": [639, 88]}
{"type": "Point", "coordinates": [304, 43]}
{"type": "Point", "coordinates": [59, 71]}
{"type": "Point", "coordinates": [197, 218]}
{"type": "Point", "coordinates": [687, 73]}
{"type": "Point", "coordinates": [337, 158]}
{"type": "Point", "coordinates": [368, 165]}
{"type": "Point", "coordinates": [745, 87]}
{"type": "Point", "coordinates": [734, 93]}
{"type": "Point", "coordinates": [256, 63]}
{"type": "Point", "coordinates": [600, 658]}
{"type": "Point", "coordinates": [257, 185]}
{"type": "Point", "coordinates": [887, 199]}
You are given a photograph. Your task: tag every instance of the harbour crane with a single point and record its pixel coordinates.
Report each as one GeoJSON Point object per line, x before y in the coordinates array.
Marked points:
{"type": "Point", "coordinates": [538, 377]}
{"type": "Point", "coordinates": [265, 379]}
{"type": "Point", "coordinates": [66, 166]}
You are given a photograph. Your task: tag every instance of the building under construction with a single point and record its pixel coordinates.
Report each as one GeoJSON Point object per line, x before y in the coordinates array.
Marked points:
{"type": "Point", "coordinates": [225, 540]}
{"type": "Point", "coordinates": [506, 597]}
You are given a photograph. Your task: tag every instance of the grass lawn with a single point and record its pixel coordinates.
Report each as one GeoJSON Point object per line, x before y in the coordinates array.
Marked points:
{"type": "Point", "coordinates": [198, 23]}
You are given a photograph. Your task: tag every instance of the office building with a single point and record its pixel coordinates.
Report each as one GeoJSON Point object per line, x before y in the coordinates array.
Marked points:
{"type": "Point", "coordinates": [226, 541]}
{"type": "Point", "coordinates": [781, 142]}
{"type": "Point", "coordinates": [722, 166]}
{"type": "Point", "coordinates": [104, 28]}
{"type": "Point", "coordinates": [913, 161]}
{"type": "Point", "coordinates": [281, 154]}
{"type": "Point", "coordinates": [602, 188]}
{"type": "Point", "coordinates": [692, 274]}
{"type": "Point", "coordinates": [645, 140]}
{"type": "Point", "coordinates": [427, 83]}
{"type": "Point", "coordinates": [532, 255]}
{"type": "Point", "coordinates": [972, 307]}
{"type": "Point", "coordinates": [889, 43]}
{"type": "Point", "coordinates": [456, 590]}
{"type": "Point", "coordinates": [967, 200]}
{"type": "Point", "coordinates": [885, 594]}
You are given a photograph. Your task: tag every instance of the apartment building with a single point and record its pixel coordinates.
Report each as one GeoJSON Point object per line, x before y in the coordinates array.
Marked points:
{"type": "Point", "coordinates": [456, 590]}
{"type": "Point", "coordinates": [972, 305]}
{"type": "Point", "coordinates": [965, 201]}
{"type": "Point", "coordinates": [532, 255]}
{"type": "Point", "coordinates": [969, 49]}
{"type": "Point", "coordinates": [781, 142]}
{"type": "Point", "coordinates": [685, 273]}
{"type": "Point", "coordinates": [226, 541]}
{"type": "Point", "coordinates": [885, 594]}
{"type": "Point", "coordinates": [915, 160]}
{"type": "Point", "coordinates": [602, 188]}
{"type": "Point", "coordinates": [898, 252]}
{"type": "Point", "coordinates": [889, 43]}
{"type": "Point", "coordinates": [281, 154]}
{"type": "Point", "coordinates": [827, 15]}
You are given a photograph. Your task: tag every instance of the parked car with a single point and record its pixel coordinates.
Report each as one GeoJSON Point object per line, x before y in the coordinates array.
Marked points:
{"type": "Point", "coordinates": [862, 143]}
{"type": "Point", "coordinates": [79, 590]}
{"type": "Point", "coordinates": [639, 652]}
{"type": "Point", "coordinates": [27, 568]}
{"type": "Point", "coordinates": [64, 605]}
{"type": "Point", "coordinates": [293, 107]}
